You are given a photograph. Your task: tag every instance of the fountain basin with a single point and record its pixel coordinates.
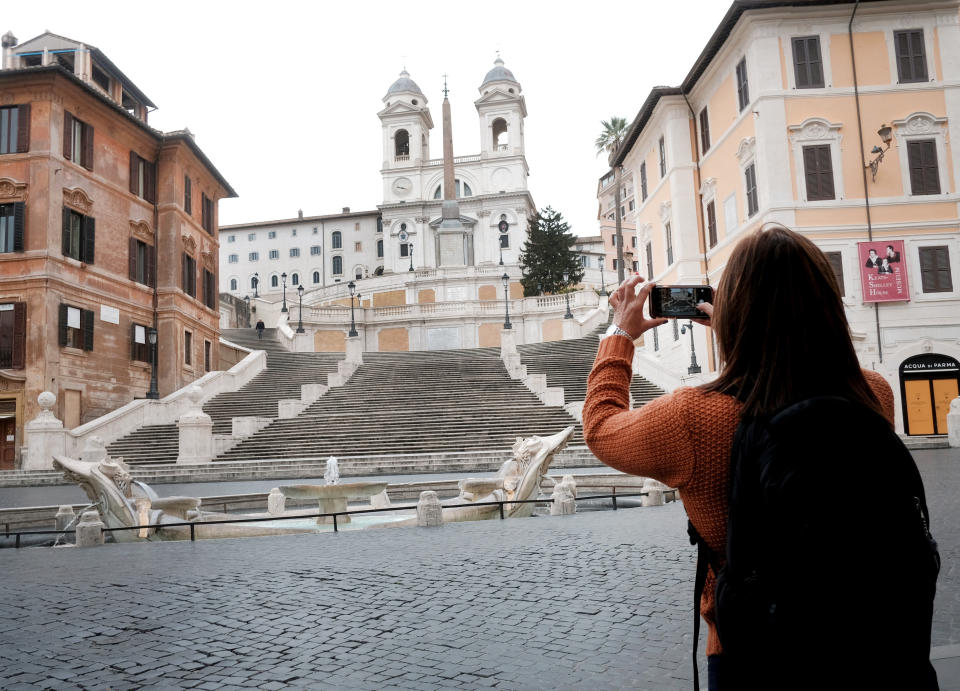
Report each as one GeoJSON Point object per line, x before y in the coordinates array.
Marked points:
{"type": "Point", "coordinates": [333, 498]}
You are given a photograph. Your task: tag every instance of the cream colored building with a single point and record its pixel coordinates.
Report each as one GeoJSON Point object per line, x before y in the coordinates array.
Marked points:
{"type": "Point", "coordinates": [767, 127]}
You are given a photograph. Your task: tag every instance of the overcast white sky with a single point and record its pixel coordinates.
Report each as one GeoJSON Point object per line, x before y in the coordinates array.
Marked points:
{"type": "Point", "coordinates": [283, 96]}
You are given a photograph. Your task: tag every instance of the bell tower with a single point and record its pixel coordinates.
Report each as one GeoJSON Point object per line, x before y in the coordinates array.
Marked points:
{"type": "Point", "coordinates": [406, 124]}
{"type": "Point", "coordinates": [502, 109]}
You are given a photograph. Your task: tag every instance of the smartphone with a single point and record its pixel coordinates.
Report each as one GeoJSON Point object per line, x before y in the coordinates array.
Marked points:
{"type": "Point", "coordinates": [679, 302]}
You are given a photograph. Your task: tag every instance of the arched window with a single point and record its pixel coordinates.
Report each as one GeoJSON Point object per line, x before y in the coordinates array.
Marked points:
{"type": "Point", "coordinates": [254, 281]}
{"type": "Point", "coordinates": [501, 138]}
{"type": "Point", "coordinates": [466, 192]}
{"type": "Point", "coordinates": [358, 272]}
{"type": "Point", "coordinates": [274, 281]}
{"type": "Point", "coordinates": [379, 248]}
{"type": "Point", "coordinates": [295, 280]}
{"type": "Point", "coordinates": [401, 143]}
{"type": "Point", "coordinates": [337, 239]}
{"type": "Point", "coordinates": [233, 284]}
{"type": "Point", "coordinates": [316, 276]}
{"type": "Point", "coordinates": [337, 266]}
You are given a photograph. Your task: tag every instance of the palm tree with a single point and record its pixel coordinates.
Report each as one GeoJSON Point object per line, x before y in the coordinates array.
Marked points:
{"type": "Point", "coordinates": [614, 131]}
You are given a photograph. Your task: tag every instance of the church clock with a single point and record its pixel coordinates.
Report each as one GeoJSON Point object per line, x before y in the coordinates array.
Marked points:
{"type": "Point", "coordinates": [402, 186]}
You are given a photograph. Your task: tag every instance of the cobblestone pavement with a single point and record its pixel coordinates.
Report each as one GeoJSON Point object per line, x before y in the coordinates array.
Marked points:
{"type": "Point", "coordinates": [597, 600]}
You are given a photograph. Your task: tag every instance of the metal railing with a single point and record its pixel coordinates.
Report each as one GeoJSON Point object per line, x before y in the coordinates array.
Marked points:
{"type": "Point", "coordinates": [193, 524]}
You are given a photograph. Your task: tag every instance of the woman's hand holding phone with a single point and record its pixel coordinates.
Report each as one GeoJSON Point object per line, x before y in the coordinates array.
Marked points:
{"type": "Point", "coordinates": [628, 303]}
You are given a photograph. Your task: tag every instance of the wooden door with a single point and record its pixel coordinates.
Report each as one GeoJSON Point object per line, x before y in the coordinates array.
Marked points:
{"type": "Point", "coordinates": [8, 432]}
{"type": "Point", "coordinates": [919, 406]}
{"type": "Point", "coordinates": [944, 391]}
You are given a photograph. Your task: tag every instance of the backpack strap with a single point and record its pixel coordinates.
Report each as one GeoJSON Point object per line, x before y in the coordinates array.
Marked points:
{"type": "Point", "coordinates": [704, 559]}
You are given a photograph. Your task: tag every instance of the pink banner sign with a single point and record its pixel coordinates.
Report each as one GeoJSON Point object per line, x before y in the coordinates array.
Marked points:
{"type": "Point", "coordinates": [883, 271]}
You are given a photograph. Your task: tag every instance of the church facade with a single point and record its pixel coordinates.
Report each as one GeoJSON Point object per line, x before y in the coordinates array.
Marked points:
{"type": "Point", "coordinates": [490, 186]}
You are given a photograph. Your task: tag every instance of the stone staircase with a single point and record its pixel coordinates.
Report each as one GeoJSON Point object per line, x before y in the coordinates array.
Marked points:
{"type": "Point", "coordinates": [568, 364]}
{"type": "Point", "coordinates": [281, 379]}
{"type": "Point", "coordinates": [414, 403]}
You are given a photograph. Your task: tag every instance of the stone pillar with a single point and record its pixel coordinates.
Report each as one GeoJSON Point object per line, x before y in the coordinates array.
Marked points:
{"type": "Point", "coordinates": [90, 530]}
{"type": "Point", "coordinates": [355, 350]}
{"type": "Point", "coordinates": [196, 432]}
{"type": "Point", "coordinates": [276, 502]}
{"type": "Point", "coordinates": [953, 423]}
{"type": "Point", "coordinates": [45, 436]}
{"type": "Point", "coordinates": [429, 511]}
{"type": "Point", "coordinates": [654, 493]}
{"type": "Point", "coordinates": [508, 343]}
{"type": "Point", "coordinates": [65, 516]}
{"type": "Point", "coordinates": [563, 498]}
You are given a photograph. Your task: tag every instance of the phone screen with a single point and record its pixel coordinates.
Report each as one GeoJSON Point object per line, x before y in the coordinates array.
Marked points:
{"type": "Point", "coordinates": [679, 301]}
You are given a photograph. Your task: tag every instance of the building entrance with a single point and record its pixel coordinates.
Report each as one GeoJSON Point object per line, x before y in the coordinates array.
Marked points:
{"type": "Point", "coordinates": [927, 385]}
{"type": "Point", "coordinates": [8, 433]}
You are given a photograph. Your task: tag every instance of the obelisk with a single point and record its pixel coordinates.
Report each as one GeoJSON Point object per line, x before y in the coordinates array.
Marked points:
{"type": "Point", "coordinates": [452, 242]}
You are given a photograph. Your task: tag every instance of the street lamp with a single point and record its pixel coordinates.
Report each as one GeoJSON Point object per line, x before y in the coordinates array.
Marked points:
{"type": "Point", "coordinates": [152, 340]}
{"type": "Point", "coordinates": [410, 252]}
{"type": "Point", "coordinates": [256, 282]}
{"type": "Point", "coordinates": [694, 368]}
{"type": "Point", "coordinates": [886, 136]}
{"type": "Point", "coordinates": [300, 326]}
{"type": "Point", "coordinates": [566, 279]}
{"type": "Point", "coordinates": [246, 299]}
{"type": "Point", "coordinates": [353, 326]}
{"type": "Point", "coordinates": [501, 250]}
{"type": "Point", "coordinates": [283, 278]}
{"type": "Point", "coordinates": [603, 284]}
{"type": "Point", "coordinates": [506, 300]}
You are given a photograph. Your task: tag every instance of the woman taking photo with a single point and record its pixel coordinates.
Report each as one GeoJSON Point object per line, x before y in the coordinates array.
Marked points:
{"type": "Point", "coordinates": [782, 337]}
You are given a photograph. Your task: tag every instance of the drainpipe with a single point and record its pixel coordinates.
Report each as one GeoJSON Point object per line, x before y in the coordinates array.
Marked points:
{"type": "Point", "coordinates": [156, 252]}
{"type": "Point", "coordinates": [863, 162]}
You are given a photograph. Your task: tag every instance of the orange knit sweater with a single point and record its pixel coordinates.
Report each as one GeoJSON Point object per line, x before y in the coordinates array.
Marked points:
{"type": "Point", "coordinates": [682, 439]}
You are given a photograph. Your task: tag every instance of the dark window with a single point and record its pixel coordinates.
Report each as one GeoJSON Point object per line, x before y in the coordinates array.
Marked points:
{"type": "Point", "coordinates": [649, 253]}
{"type": "Point", "coordinates": [13, 335]}
{"type": "Point", "coordinates": [379, 248]}
{"type": "Point", "coordinates": [379, 225]}
{"type": "Point", "coordinates": [79, 236]}
{"type": "Point", "coordinates": [294, 251]}
{"type": "Point", "coordinates": [274, 281]}
{"type": "Point", "coordinates": [189, 275]}
{"type": "Point", "coordinates": [911, 59]}
{"type": "Point", "coordinates": [807, 65]}
{"type": "Point", "coordinates": [15, 129]}
{"type": "Point", "coordinates": [101, 79]}
{"type": "Point", "coordinates": [141, 259]}
{"type": "Point", "coordinates": [206, 213]}
{"type": "Point", "coordinates": [924, 173]}
{"type": "Point", "coordinates": [935, 269]}
{"type": "Point", "coordinates": [636, 267]}
{"type": "Point", "coordinates": [504, 241]}
{"type": "Point", "coordinates": [818, 171]}
{"type": "Point", "coordinates": [139, 348]}
{"type": "Point", "coordinates": [76, 327]}
{"type": "Point", "coordinates": [233, 284]}
{"type": "Point", "coordinates": [836, 263]}
{"type": "Point", "coordinates": [337, 266]}
{"type": "Point", "coordinates": [77, 141]}
{"type": "Point", "coordinates": [337, 240]}
{"type": "Point", "coordinates": [11, 227]}
{"type": "Point", "coordinates": [143, 178]}
{"type": "Point", "coordinates": [669, 233]}
{"type": "Point", "coordinates": [295, 279]}
{"type": "Point", "coordinates": [314, 250]}
{"type": "Point", "coordinates": [210, 289]}
{"type": "Point", "coordinates": [643, 181]}
{"type": "Point", "coordinates": [206, 356]}
{"type": "Point", "coordinates": [633, 240]}
{"type": "Point", "coordinates": [712, 223]}
{"type": "Point", "coordinates": [187, 348]}
{"type": "Point", "coordinates": [704, 131]}
{"type": "Point", "coordinates": [750, 175]}
{"type": "Point", "coordinates": [743, 87]}
{"type": "Point", "coordinates": [187, 195]}
{"type": "Point", "coordinates": [404, 249]}
{"type": "Point", "coordinates": [316, 276]}
{"type": "Point", "coordinates": [616, 265]}
{"type": "Point", "coordinates": [663, 158]}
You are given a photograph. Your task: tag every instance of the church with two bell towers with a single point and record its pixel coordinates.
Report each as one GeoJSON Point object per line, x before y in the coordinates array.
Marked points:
{"type": "Point", "coordinates": [454, 211]}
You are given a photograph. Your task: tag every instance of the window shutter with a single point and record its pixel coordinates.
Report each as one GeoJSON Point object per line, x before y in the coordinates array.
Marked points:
{"type": "Point", "coordinates": [931, 175]}
{"type": "Point", "coordinates": [133, 341]}
{"type": "Point", "coordinates": [63, 324]}
{"type": "Point", "coordinates": [151, 266]}
{"type": "Point", "coordinates": [183, 272]}
{"type": "Point", "coordinates": [927, 273]}
{"type": "Point", "coordinates": [810, 172]}
{"type": "Point", "coordinates": [19, 335]}
{"type": "Point", "coordinates": [87, 147]}
{"type": "Point", "coordinates": [23, 129]}
{"type": "Point", "coordinates": [150, 182]}
{"type": "Point", "coordinates": [919, 58]}
{"type": "Point", "coordinates": [67, 135]}
{"type": "Point", "coordinates": [86, 325]}
{"type": "Point", "coordinates": [134, 170]}
{"type": "Point", "coordinates": [89, 239]}
{"type": "Point", "coordinates": [826, 172]}
{"type": "Point", "coordinates": [800, 63]}
{"type": "Point", "coordinates": [19, 214]}
{"type": "Point", "coordinates": [187, 195]}
{"type": "Point", "coordinates": [132, 259]}
{"type": "Point", "coordinates": [836, 264]}
{"type": "Point", "coordinates": [198, 281]}
{"type": "Point", "coordinates": [65, 249]}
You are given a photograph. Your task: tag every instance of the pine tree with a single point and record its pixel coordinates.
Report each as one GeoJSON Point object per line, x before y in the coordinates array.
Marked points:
{"type": "Point", "coordinates": [547, 254]}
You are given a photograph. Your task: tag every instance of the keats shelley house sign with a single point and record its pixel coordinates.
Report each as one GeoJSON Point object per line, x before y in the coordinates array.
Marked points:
{"type": "Point", "coordinates": [883, 273]}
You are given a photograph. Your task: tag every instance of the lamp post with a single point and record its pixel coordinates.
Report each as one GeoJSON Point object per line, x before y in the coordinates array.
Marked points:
{"type": "Point", "coordinates": [256, 282]}
{"type": "Point", "coordinates": [246, 299]}
{"type": "Point", "coordinates": [353, 326]}
{"type": "Point", "coordinates": [283, 278]}
{"type": "Point", "coordinates": [300, 325]}
{"type": "Point", "coordinates": [694, 368]}
{"type": "Point", "coordinates": [501, 250]}
{"type": "Point", "coordinates": [410, 252]}
{"type": "Point", "coordinates": [566, 295]}
{"type": "Point", "coordinates": [603, 283]}
{"type": "Point", "coordinates": [152, 340]}
{"type": "Point", "coordinates": [506, 300]}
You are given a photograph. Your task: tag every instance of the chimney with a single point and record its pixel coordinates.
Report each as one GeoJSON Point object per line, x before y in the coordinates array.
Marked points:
{"type": "Point", "coordinates": [6, 57]}
{"type": "Point", "coordinates": [300, 214]}
{"type": "Point", "coordinates": [346, 209]}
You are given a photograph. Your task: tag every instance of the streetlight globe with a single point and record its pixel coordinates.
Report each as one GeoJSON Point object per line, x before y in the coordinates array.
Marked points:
{"type": "Point", "coordinates": [152, 336]}
{"type": "Point", "coordinates": [506, 280]}
{"type": "Point", "coordinates": [352, 286]}
{"type": "Point", "coordinates": [886, 133]}
{"type": "Point", "coordinates": [300, 289]}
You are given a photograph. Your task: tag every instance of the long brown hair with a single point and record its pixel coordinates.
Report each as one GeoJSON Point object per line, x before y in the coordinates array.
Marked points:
{"type": "Point", "coordinates": [781, 329]}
